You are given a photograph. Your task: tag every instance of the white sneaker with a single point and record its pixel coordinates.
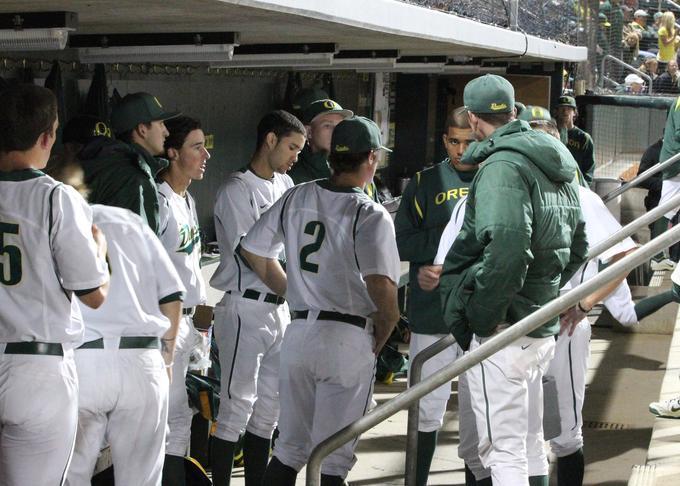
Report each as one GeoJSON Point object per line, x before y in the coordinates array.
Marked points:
{"type": "Point", "coordinates": [666, 408]}
{"type": "Point", "coordinates": [665, 264]}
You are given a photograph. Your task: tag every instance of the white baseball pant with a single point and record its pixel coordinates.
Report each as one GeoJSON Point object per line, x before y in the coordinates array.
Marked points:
{"type": "Point", "coordinates": [569, 367]}
{"type": "Point", "coordinates": [327, 375]}
{"type": "Point", "coordinates": [669, 188]}
{"type": "Point", "coordinates": [38, 417]}
{"type": "Point", "coordinates": [507, 399]}
{"type": "Point", "coordinates": [123, 401]}
{"type": "Point", "coordinates": [468, 438]}
{"type": "Point", "coordinates": [249, 335]}
{"type": "Point", "coordinates": [179, 411]}
{"type": "Point", "coordinates": [433, 405]}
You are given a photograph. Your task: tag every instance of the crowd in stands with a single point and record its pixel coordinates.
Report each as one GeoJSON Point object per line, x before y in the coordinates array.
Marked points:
{"type": "Point", "coordinates": [642, 36]}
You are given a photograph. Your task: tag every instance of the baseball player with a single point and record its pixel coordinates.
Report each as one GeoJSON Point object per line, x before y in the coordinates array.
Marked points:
{"type": "Point", "coordinates": [121, 172]}
{"type": "Point", "coordinates": [49, 251]}
{"type": "Point", "coordinates": [341, 282]}
{"type": "Point", "coordinates": [320, 118]}
{"type": "Point", "coordinates": [179, 234]}
{"type": "Point", "coordinates": [250, 320]}
{"type": "Point", "coordinates": [426, 206]}
{"type": "Point", "coordinates": [671, 181]}
{"type": "Point", "coordinates": [522, 232]}
{"type": "Point", "coordinates": [579, 143]}
{"type": "Point", "coordinates": [124, 362]}
{"type": "Point", "coordinates": [572, 350]}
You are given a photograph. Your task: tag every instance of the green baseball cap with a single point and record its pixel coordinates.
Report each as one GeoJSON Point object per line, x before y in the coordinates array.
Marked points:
{"type": "Point", "coordinates": [489, 94]}
{"type": "Point", "coordinates": [535, 113]}
{"type": "Point", "coordinates": [322, 107]}
{"type": "Point", "coordinates": [356, 135]}
{"type": "Point", "coordinates": [520, 107]}
{"type": "Point", "coordinates": [308, 96]}
{"type": "Point", "coordinates": [136, 108]}
{"type": "Point", "coordinates": [567, 101]}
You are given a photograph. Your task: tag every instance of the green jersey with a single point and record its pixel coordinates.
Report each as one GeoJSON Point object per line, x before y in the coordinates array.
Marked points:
{"type": "Point", "coordinates": [425, 209]}
{"type": "Point", "coordinates": [310, 166]}
{"type": "Point", "coordinates": [580, 144]}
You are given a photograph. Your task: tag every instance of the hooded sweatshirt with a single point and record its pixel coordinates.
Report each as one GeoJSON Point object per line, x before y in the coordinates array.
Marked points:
{"type": "Point", "coordinates": [122, 175]}
{"type": "Point", "coordinates": [523, 235]}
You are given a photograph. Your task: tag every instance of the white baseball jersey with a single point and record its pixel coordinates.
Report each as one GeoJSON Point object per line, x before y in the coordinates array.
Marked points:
{"type": "Point", "coordinates": [600, 224]}
{"type": "Point", "coordinates": [451, 231]}
{"type": "Point", "coordinates": [334, 237]}
{"type": "Point", "coordinates": [46, 252]}
{"type": "Point", "coordinates": [241, 201]}
{"type": "Point", "coordinates": [141, 275]}
{"type": "Point", "coordinates": [179, 233]}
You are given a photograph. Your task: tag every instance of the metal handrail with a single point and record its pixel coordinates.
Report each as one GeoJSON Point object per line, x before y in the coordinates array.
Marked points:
{"type": "Point", "coordinates": [417, 361]}
{"type": "Point", "coordinates": [609, 57]}
{"type": "Point", "coordinates": [641, 177]}
{"type": "Point", "coordinates": [486, 349]}
{"type": "Point", "coordinates": [414, 376]}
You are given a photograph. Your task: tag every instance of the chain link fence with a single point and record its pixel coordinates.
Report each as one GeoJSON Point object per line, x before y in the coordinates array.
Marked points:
{"type": "Point", "coordinates": [549, 19]}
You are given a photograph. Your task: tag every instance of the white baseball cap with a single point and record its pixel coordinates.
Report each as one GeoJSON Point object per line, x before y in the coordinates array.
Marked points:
{"type": "Point", "coordinates": [633, 78]}
{"type": "Point", "coordinates": [640, 13]}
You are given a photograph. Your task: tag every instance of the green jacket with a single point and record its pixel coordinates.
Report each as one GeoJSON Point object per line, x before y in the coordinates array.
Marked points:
{"type": "Point", "coordinates": [425, 209]}
{"type": "Point", "coordinates": [123, 175]}
{"type": "Point", "coordinates": [671, 141]}
{"type": "Point", "coordinates": [523, 234]}
{"type": "Point", "coordinates": [310, 166]}
{"type": "Point", "coordinates": [580, 144]}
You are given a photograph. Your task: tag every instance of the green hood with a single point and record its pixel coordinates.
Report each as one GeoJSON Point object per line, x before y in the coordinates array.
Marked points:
{"type": "Point", "coordinates": [546, 152]}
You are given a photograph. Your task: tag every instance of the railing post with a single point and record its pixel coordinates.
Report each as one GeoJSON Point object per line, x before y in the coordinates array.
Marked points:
{"type": "Point", "coordinates": [414, 375]}
{"type": "Point", "coordinates": [514, 14]}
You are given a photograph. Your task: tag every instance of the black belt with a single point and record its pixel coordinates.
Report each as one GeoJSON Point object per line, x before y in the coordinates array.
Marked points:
{"type": "Point", "coordinates": [188, 311]}
{"type": "Point", "coordinates": [332, 316]}
{"type": "Point", "coordinates": [255, 295]}
{"type": "Point", "coordinates": [126, 342]}
{"type": "Point", "coordinates": [34, 347]}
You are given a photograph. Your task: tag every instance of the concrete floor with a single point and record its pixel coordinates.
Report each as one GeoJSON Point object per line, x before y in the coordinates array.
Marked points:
{"type": "Point", "coordinates": [625, 374]}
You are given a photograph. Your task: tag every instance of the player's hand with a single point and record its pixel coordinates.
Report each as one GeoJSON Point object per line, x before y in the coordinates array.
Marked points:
{"type": "Point", "coordinates": [570, 319]}
{"type": "Point", "coordinates": [428, 276]}
{"type": "Point", "coordinates": [100, 240]}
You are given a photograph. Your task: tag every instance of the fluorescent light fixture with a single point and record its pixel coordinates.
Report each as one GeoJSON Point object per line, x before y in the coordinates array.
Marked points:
{"type": "Point", "coordinates": [37, 31]}
{"type": "Point", "coordinates": [366, 59]}
{"type": "Point", "coordinates": [472, 69]}
{"type": "Point", "coordinates": [140, 48]}
{"type": "Point", "coordinates": [413, 64]}
{"type": "Point", "coordinates": [278, 60]}
{"type": "Point", "coordinates": [280, 55]}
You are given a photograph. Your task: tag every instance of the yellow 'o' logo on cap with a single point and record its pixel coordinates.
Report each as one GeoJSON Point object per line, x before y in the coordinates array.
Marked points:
{"type": "Point", "coordinates": [536, 112]}
{"type": "Point", "coordinates": [330, 104]}
{"type": "Point", "coordinates": [101, 129]}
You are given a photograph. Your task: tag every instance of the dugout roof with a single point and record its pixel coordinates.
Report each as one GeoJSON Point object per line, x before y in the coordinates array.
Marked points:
{"type": "Point", "coordinates": [351, 24]}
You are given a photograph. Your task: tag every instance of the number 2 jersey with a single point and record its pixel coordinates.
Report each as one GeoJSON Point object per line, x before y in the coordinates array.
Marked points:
{"type": "Point", "coordinates": [46, 253]}
{"type": "Point", "coordinates": [334, 237]}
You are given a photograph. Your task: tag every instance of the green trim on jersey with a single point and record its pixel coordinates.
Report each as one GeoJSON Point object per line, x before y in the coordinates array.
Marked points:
{"type": "Point", "coordinates": [425, 209]}
{"type": "Point", "coordinates": [328, 185]}
{"type": "Point", "coordinates": [172, 298]}
{"type": "Point", "coordinates": [20, 175]}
